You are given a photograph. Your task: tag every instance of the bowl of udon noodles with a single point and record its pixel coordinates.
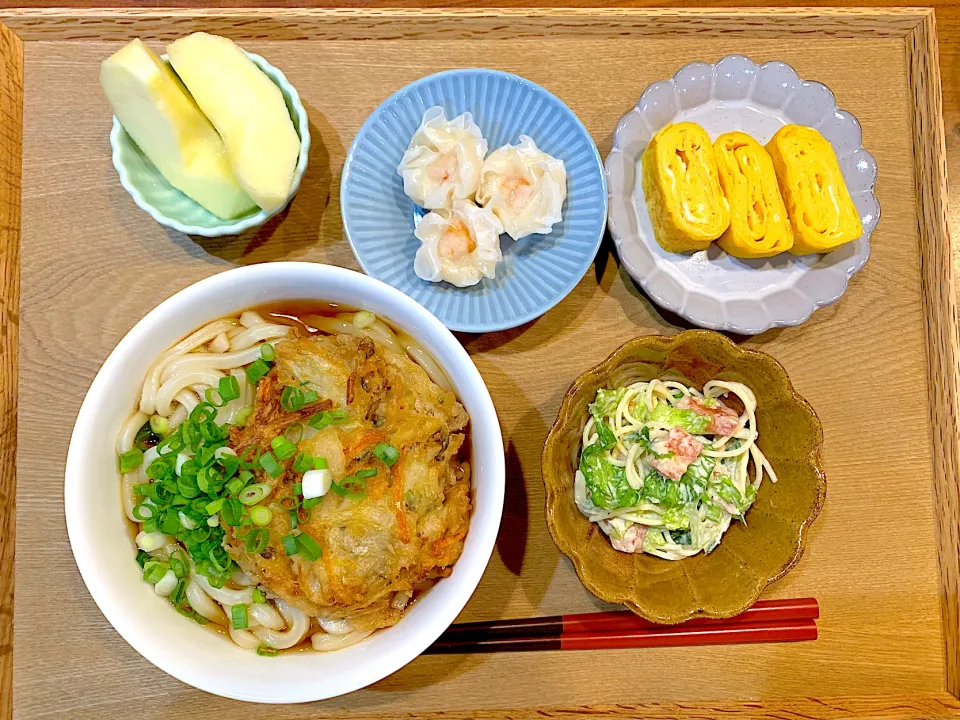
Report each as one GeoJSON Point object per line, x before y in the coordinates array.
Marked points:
{"type": "Point", "coordinates": [284, 483]}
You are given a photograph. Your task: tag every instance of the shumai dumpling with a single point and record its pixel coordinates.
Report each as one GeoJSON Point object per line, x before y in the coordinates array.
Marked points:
{"type": "Point", "coordinates": [460, 245]}
{"type": "Point", "coordinates": [443, 161]}
{"type": "Point", "coordinates": [524, 187]}
{"type": "Point", "coordinates": [687, 208]}
{"type": "Point", "coordinates": [820, 207]}
{"type": "Point", "coordinates": [759, 226]}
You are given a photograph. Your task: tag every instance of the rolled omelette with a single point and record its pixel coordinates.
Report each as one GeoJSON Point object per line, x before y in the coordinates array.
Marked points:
{"type": "Point", "coordinates": [686, 205]}
{"type": "Point", "coordinates": [759, 226]}
{"type": "Point", "coordinates": [821, 211]}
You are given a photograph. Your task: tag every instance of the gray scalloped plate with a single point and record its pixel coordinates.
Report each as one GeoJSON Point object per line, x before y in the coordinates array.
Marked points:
{"type": "Point", "coordinates": [711, 288]}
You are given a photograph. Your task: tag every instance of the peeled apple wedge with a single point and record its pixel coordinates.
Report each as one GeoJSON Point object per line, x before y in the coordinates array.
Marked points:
{"type": "Point", "coordinates": [248, 111]}
{"type": "Point", "coordinates": [156, 110]}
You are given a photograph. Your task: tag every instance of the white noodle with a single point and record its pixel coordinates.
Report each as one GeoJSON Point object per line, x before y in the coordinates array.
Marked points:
{"type": "Point", "coordinates": [322, 642]}
{"type": "Point", "coordinates": [203, 603]}
{"type": "Point", "coordinates": [297, 626]}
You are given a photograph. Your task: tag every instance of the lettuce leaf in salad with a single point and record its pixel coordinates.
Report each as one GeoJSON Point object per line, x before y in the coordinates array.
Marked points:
{"type": "Point", "coordinates": [691, 486]}
{"type": "Point", "coordinates": [606, 483]}
{"type": "Point", "coordinates": [687, 419]}
{"type": "Point", "coordinates": [642, 438]}
{"type": "Point", "coordinates": [728, 492]}
{"type": "Point", "coordinates": [653, 540]}
{"type": "Point", "coordinates": [675, 518]}
{"type": "Point", "coordinates": [606, 402]}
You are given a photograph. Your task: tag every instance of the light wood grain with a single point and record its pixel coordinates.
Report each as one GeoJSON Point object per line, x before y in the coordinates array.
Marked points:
{"type": "Point", "coordinates": [460, 24]}
{"type": "Point", "coordinates": [11, 121]}
{"type": "Point", "coordinates": [940, 312]}
{"type": "Point", "coordinates": [93, 264]}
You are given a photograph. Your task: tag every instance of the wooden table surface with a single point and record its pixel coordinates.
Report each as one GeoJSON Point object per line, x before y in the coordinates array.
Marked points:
{"type": "Point", "coordinates": [948, 20]}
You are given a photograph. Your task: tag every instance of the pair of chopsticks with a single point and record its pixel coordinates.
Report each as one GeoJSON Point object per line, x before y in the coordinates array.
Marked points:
{"type": "Point", "coordinates": [767, 621]}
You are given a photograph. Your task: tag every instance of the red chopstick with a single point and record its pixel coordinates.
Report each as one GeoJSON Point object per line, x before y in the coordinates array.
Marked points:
{"type": "Point", "coordinates": [761, 611]}
{"type": "Point", "coordinates": [665, 636]}
{"type": "Point", "coordinates": [766, 621]}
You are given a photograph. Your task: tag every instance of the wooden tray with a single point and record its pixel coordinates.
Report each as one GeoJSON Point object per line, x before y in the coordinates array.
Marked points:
{"type": "Point", "coordinates": [880, 362]}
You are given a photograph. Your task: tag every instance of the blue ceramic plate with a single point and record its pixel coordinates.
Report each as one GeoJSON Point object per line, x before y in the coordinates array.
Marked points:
{"type": "Point", "coordinates": [537, 271]}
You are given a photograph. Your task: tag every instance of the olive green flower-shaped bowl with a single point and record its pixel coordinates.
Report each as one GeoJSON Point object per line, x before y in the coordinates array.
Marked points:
{"type": "Point", "coordinates": [750, 556]}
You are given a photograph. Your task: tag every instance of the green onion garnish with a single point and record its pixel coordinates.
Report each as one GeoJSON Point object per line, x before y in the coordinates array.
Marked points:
{"type": "Point", "coordinates": [290, 544]}
{"type": "Point", "coordinates": [252, 494]}
{"type": "Point", "coordinates": [131, 460]}
{"type": "Point", "coordinates": [159, 425]}
{"type": "Point", "coordinates": [242, 416]}
{"type": "Point", "coordinates": [294, 519]}
{"type": "Point", "coordinates": [283, 448]}
{"type": "Point", "coordinates": [258, 596]}
{"type": "Point", "coordinates": [269, 463]}
{"type": "Point", "coordinates": [238, 616]}
{"type": "Point", "coordinates": [142, 558]}
{"type": "Point", "coordinates": [320, 463]}
{"type": "Point", "coordinates": [310, 503]}
{"type": "Point", "coordinates": [294, 433]}
{"type": "Point", "coordinates": [291, 399]}
{"type": "Point", "coordinates": [309, 548]}
{"type": "Point", "coordinates": [303, 463]}
{"type": "Point", "coordinates": [261, 515]}
{"type": "Point", "coordinates": [256, 370]}
{"type": "Point", "coordinates": [320, 420]}
{"type": "Point", "coordinates": [257, 540]}
{"type": "Point", "coordinates": [142, 512]}
{"type": "Point", "coordinates": [365, 473]}
{"type": "Point", "coordinates": [387, 453]}
{"type": "Point", "coordinates": [264, 651]}
{"type": "Point", "coordinates": [154, 571]}
{"type": "Point", "coordinates": [267, 352]}
{"type": "Point", "coordinates": [232, 512]}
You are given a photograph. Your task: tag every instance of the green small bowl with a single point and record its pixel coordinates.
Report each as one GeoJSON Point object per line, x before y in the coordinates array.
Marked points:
{"type": "Point", "coordinates": [170, 207]}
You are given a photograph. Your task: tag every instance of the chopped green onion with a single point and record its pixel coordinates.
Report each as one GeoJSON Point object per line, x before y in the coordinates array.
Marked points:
{"type": "Point", "coordinates": [131, 460]}
{"type": "Point", "coordinates": [303, 463]}
{"type": "Point", "coordinates": [310, 503]}
{"type": "Point", "coordinates": [310, 397]}
{"type": "Point", "coordinates": [256, 370]}
{"type": "Point", "coordinates": [290, 544]}
{"type": "Point", "coordinates": [142, 558]}
{"type": "Point", "coordinates": [283, 448]}
{"type": "Point", "coordinates": [291, 399]}
{"type": "Point", "coordinates": [294, 433]}
{"type": "Point", "coordinates": [232, 512]}
{"type": "Point", "coordinates": [178, 566]}
{"type": "Point", "coordinates": [354, 487]}
{"type": "Point", "coordinates": [365, 473]}
{"type": "Point", "coordinates": [242, 416]}
{"type": "Point", "coordinates": [320, 420]}
{"type": "Point", "coordinates": [145, 437]}
{"type": "Point", "coordinates": [159, 425]}
{"type": "Point", "coordinates": [258, 596]}
{"type": "Point", "coordinates": [257, 540]}
{"type": "Point", "coordinates": [229, 388]}
{"type": "Point", "coordinates": [252, 494]}
{"type": "Point", "coordinates": [264, 651]}
{"type": "Point", "coordinates": [142, 512]}
{"type": "Point", "coordinates": [203, 413]}
{"type": "Point", "coordinates": [269, 463]}
{"type": "Point", "coordinates": [235, 486]}
{"type": "Point", "coordinates": [364, 319]}
{"type": "Point", "coordinates": [176, 597]}
{"type": "Point", "coordinates": [309, 548]}
{"type": "Point", "coordinates": [294, 519]}
{"type": "Point", "coordinates": [249, 457]}
{"type": "Point", "coordinates": [213, 397]}
{"type": "Point", "coordinates": [238, 617]}
{"type": "Point", "coordinates": [387, 453]}
{"type": "Point", "coordinates": [154, 571]}
{"type": "Point", "coordinates": [320, 463]}
{"type": "Point", "coordinates": [261, 515]}
{"type": "Point", "coordinates": [267, 352]}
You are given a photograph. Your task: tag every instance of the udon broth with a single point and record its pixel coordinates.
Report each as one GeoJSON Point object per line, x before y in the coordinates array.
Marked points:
{"type": "Point", "coordinates": [296, 474]}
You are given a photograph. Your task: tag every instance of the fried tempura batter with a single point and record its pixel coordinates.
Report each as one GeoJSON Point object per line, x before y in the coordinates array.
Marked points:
{"type": "Point", "coordinates": [408, 527]}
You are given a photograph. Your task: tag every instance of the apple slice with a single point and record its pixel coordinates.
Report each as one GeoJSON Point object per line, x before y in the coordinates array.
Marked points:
{"type": "Point", "coordinates": [247, 109]}
{"type": "Point", "coordinates": [158, 113]}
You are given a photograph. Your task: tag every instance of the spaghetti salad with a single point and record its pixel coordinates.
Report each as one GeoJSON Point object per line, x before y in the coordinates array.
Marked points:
{"type": "Point", "coordinates": [665, 468]}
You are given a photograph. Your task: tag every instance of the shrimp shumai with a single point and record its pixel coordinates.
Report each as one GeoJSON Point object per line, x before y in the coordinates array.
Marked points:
{"type": "Point", "coordinates": [524, 187]}
{"type": "Point", "coordinates": [460, 245]}
{"type": "Point", "coordinates": [443, 161]}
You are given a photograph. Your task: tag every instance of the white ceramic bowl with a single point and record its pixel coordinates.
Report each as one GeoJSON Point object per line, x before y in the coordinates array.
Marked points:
{"type": "Point", "coordinates": [105, 551]}
{"type": "Point", "coordinates": [711, 288]}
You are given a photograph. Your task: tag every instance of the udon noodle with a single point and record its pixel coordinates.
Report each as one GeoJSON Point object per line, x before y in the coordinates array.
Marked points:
{"type": "Point", "coordinates": [241, 424]}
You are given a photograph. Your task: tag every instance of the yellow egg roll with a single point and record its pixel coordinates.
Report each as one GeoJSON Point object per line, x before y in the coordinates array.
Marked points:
{"type": "Point", "coordinates": [819, 205]}
{"type": "Point", "coordinates": [759, 226]}
{"type": "Point", "coordinates": [686, 206]}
